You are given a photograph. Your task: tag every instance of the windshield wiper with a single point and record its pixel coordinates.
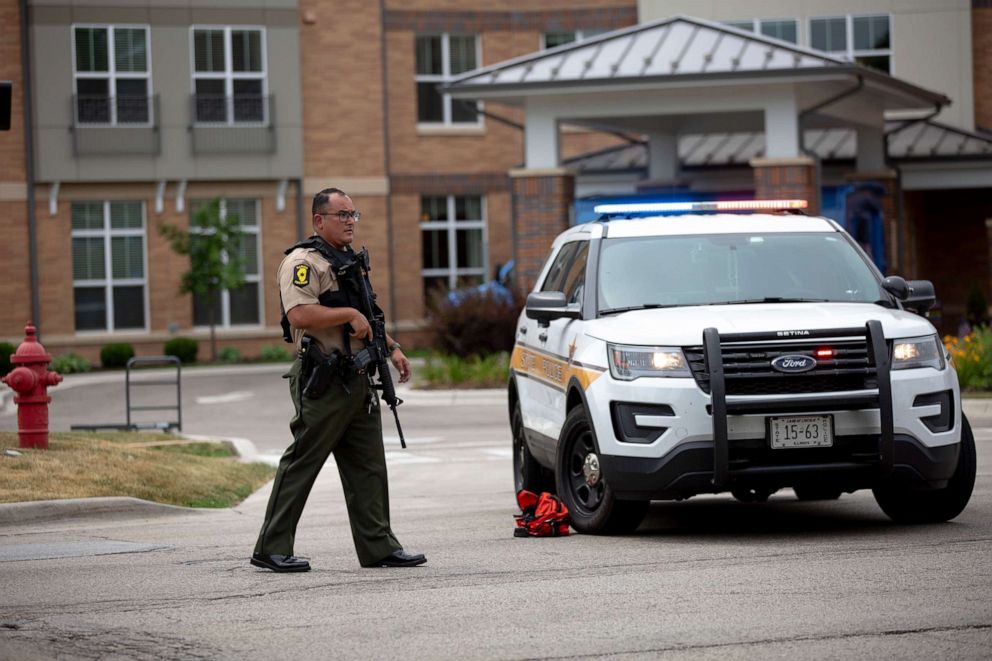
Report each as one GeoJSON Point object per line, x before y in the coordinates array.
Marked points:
{"type": "Point", "coordinates": [649, 306]}
{"type": "Point", "coordinates": [772, 299]}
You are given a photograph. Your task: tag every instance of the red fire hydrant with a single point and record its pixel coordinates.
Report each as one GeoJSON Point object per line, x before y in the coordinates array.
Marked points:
{"type": "Point", "coordinates": [30, 380]}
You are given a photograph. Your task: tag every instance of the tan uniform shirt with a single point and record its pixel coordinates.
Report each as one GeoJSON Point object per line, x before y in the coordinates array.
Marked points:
{"type": "Point", "coordinates": [304, 275]}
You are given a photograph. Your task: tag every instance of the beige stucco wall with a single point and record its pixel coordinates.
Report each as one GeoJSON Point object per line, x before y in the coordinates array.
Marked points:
{"type": "Point", "coordinates": [931, 39]}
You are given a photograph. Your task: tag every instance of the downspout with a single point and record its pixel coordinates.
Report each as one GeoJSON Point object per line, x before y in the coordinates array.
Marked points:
{"type": "Point", "coordinates": [29, 157]}
{"type": "Point", "coordinates": [387, 166]}
{"type": "Point", "coordinates": [301, 229]}
{"type": "Point", "coordinates": [818, 183]}
{"type": "Point", "coordinates": [901, 255]}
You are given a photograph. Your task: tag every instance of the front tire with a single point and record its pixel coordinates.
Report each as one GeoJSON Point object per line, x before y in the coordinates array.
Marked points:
{"type": "Point", "coordinates": [592, 505]}
{"type": "Point", "coordinates": [905, 505]}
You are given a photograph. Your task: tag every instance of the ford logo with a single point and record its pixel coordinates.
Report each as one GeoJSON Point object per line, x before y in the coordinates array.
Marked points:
{"type": "Point", "coordinates": [793, 364]}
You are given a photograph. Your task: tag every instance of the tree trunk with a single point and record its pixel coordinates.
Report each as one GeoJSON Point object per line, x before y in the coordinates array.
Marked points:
{"type": "Point", "coordinates": [212, 320]}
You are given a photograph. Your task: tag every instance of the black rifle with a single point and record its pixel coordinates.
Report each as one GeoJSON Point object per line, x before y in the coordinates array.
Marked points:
{"type": "Point", "coordinates": [373, 357]}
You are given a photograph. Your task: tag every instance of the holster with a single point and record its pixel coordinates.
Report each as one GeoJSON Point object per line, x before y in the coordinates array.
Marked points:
{"type": "Point", "coordinates": [319, 369]}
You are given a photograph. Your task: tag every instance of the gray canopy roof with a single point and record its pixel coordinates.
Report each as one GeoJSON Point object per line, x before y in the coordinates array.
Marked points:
{"type": "Point", "coordinates": [672, 50]}
{"type": "Point", "coordinates": [917, 141]}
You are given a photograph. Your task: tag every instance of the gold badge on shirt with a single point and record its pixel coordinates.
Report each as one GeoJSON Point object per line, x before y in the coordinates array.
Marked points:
{"type": "Point", "coordinates": [301, 275]}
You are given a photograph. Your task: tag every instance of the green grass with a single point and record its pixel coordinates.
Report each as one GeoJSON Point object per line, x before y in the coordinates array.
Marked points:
{"type": "Point", "coordinates": [147, 465]}
{"type": "Point", "coordinates": [442, 371]}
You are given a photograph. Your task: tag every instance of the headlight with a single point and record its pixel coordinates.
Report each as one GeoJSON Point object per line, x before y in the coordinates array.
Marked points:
{"type": "Point", "coordinates": [630, 362]}
{"type": "Point", "coordinates": [911, 352]}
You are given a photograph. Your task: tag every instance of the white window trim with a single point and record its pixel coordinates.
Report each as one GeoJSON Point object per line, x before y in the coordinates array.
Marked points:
{"type": "Point", "coordinates": [107, 233]}
{"type": "Point", "coordinates": [112, 74]}
{"type": "Point", "coordinates": [446, 75]}
{"type": "Point", "coordinates": [850, 53]}
{"type": "Point", "coordinates": [450, 225]}
{"type": "Point", "coordinates": [225, 296]}
{"type": "Point", "coordinates": [229, 75]}
{"type": "Point", "coordinates": [756, 25]}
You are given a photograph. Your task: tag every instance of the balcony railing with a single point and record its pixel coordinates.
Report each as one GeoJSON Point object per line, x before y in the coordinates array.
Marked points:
{"type": "Point", "coordinates": [232, 124]}
{"type": "Point", "coordinates": [114, 125]}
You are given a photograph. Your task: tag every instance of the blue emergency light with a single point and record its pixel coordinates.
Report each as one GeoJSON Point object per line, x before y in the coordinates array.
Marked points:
{"type": "Point", "coordinates": [724, 205]}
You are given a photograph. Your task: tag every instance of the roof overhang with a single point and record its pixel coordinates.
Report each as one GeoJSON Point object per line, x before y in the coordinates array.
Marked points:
{"type": "Point", "coordinates": [679, 52]}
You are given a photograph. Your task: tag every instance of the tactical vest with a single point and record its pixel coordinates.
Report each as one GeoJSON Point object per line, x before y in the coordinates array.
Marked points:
{"type": "Point", "coordinates": [346, 266]}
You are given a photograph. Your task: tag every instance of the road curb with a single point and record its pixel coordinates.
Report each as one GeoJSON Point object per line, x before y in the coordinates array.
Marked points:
{"type": "Point", "coordinates": [76, 508]}
{"type": "Point", "coordinates": [975, 407]}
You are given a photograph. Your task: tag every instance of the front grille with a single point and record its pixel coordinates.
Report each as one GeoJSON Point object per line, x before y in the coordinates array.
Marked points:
{"type": "Point", "coordinates": [748, 370]}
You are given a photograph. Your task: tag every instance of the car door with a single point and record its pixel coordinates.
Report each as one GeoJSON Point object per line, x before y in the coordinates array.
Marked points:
{"type": "Point", "coordinates": [534, 364]}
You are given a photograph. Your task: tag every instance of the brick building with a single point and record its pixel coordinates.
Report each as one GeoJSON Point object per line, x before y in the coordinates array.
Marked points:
{"type": "Point", "coordinates": [141, 110]}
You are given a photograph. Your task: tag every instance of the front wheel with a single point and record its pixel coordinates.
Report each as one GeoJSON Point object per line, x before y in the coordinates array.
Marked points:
{"type": "Point", "coordinates": [592, 505]}
{"type": "Point", "coordinates": [905, 505]}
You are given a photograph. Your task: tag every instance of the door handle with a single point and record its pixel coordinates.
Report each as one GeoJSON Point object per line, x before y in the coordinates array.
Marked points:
{"type": "Point", "coordinates": [543, 337]}
{"type": "Point", "coordinates": [523, 330]}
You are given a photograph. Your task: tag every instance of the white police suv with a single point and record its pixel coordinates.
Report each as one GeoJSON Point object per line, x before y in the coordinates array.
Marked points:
{"type": "Point", "coordinates": [703, 351]}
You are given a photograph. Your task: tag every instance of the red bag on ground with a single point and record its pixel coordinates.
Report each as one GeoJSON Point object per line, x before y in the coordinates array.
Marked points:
{"type": "Point", "coordinates": [543, 516]}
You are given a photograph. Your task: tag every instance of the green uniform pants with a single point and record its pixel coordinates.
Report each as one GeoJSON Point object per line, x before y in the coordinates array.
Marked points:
{"type": "Point", "coordinates": [340, 422]}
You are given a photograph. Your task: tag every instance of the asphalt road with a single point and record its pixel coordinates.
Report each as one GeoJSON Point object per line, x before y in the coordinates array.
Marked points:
{"type": "Point", "coordinates": [710, 578]}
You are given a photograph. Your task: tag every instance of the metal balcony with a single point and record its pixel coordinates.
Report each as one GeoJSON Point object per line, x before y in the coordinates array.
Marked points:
{"type": "Point", "coordinates": [108, 125]}
{"type": "Point", "coordinates": [236, 124]}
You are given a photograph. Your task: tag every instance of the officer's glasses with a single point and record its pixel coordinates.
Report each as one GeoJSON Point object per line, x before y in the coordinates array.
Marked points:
{"type": "Point", "coordinates": [344, 216]}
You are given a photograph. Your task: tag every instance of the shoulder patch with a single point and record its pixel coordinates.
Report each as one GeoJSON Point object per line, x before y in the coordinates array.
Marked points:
{"type": "Point", "coordinates": [301, 275]}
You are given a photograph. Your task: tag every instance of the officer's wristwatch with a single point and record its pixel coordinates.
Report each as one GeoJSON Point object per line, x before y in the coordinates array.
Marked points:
{"type": "Point", "coordinates": [393, 347]}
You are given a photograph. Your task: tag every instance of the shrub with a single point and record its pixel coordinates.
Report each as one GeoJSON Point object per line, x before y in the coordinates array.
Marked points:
{"type": "Point", "coordinates": [276, 353]}
{"type": "Point", "coordinates": [490, 371]}
{"type": "Point", "coordinates": [6, 349]}
{"type": "Point", "coordinates": [183, 348]}
{"type": "Point", "coordinates": [116, 354]}
{"type": "Point", "coordinates": [230, 355]}
{"type": "Point", "coordinates": [479, 324]}
{"type": "Point", "coordinates": [70, 363]}
{"type": "Point", "coordinates": [972, 356]}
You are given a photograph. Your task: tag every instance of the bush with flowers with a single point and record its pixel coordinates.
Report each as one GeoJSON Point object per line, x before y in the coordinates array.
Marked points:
{"type": "Point", "coordinates": [972, 358]}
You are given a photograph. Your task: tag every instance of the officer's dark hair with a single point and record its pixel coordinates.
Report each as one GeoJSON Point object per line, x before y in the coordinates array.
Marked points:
{"type": "Point", "coordinates": [323, 197]}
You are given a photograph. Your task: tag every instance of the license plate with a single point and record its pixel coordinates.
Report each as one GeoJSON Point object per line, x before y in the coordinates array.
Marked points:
{"type": "Point", "coordinates": [801, 431]}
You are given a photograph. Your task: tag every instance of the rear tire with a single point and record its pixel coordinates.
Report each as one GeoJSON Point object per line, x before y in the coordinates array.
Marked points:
{"type": "Point", "coordinates": [905, 505]}
{"type": "Point", "coordinates": [527, 472]}
{"type": "Point", "coordinates": [593, 507]}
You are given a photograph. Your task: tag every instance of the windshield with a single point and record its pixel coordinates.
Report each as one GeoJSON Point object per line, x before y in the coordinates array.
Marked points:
{"type": "Point", "coordinates": [735, 268]}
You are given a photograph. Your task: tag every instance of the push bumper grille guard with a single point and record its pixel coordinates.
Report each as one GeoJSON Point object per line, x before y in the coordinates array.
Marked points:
{"type": "Point", "coordinates": [878, 355]}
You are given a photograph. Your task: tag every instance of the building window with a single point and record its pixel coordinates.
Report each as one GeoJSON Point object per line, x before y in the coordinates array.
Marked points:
{"type": "Point", "coordinates": [863, 39]}
{"type": "Point", "coordinates": [111, 74]}
{"type": "Point", "coordinates": [453, 241]}
{"type": "Point", "coordinates": [786, 29]}
{"type": "Point", "coordinates": [108, 265]}
{"type": "Point", "coordinates": [555, 39]}
{"type": "Point", "coordinates": [241, 306]}
{"type": "Point", "coordinates": [229, 84]}
{"type": "Point", "coordinates": [439, 58]}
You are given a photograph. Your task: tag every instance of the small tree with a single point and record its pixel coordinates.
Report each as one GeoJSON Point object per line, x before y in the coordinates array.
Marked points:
{"type": "Point", "coordinates": [213, 244]}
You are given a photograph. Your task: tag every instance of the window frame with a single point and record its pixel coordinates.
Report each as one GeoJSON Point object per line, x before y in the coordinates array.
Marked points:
{"type": "Point", "coordinates": [580, 35]}
{"type": "Point", "coordinates": [111, 74]}
{"type": "Point", "coordinates": [225, 295]}
{"type": "Point", "coordinates": [451, 226]}
{"type": "Point", "coordinates": [229, 75]}
{"type": "Point", "coordinates": [443, 77]}
{"type": "Point", "coordinates": [850, 52]}
{"type": "Point", "coordinates": [756, 26]}
{"type": "Point", "coordinates": [108, 282]}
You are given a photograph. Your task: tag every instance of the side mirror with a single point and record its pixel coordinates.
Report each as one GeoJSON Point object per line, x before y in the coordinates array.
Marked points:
{"type": "Point", "coordinates": [546, 306]}
{"type": "Point", "coordinates": [921, 296]}
{"type": "Point", "coordinates": [896, 286]}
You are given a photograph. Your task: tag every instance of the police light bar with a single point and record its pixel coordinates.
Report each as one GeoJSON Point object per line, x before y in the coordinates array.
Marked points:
{"type": "Point", "coordinates": [726, 205]}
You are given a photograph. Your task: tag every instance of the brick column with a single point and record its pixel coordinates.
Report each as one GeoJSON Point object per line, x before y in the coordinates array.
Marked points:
{"type": "Point", "coordinates": [542, 209]}
{"type": "Point", "coordinates": [787, 179]}
{"type": "Point", "coordinates": [890, 215]}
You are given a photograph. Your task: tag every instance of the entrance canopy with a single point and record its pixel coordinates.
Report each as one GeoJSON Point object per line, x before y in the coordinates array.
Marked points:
{"type": "Point", "coordinates": [683, 75]}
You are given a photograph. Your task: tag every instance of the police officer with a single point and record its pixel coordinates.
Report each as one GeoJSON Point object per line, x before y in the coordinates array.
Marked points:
{"type": "Point", "coordinates": [342, 419]}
